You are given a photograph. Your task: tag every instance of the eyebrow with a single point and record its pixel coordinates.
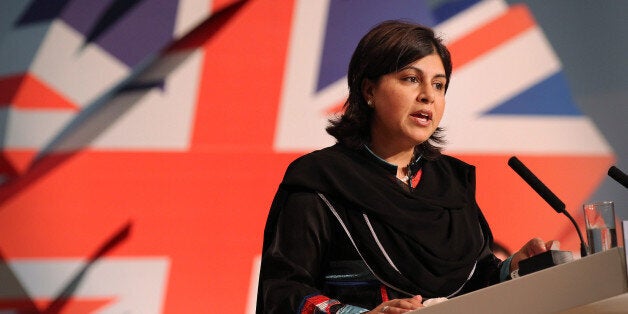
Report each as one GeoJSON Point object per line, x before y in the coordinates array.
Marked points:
{"type": "Point", "coordinates": [421, 71]}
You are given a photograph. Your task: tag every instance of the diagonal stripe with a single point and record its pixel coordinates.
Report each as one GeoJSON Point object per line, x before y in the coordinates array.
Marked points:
{"type": "Point", "coordinates": [18, 160]}
{"type": "Point", "coordinates": [469, 20]}
{"type": "Point", "coordinates": [515, 21]}
{"type": "Point", "coordinates": [492, 78]}
{"type": "Point", "coordinates": [28, 92]}
{"type": "Point", "coordinates": [74, 305]}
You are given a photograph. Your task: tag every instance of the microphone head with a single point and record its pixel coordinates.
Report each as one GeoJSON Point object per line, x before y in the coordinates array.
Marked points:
{"type": "Point", "coordinates": [515, 163]}
{"type": "Point", "coordinates": [618, 176]}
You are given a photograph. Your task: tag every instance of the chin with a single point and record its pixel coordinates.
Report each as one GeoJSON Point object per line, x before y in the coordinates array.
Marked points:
{"type": "Point", "coordinates": [420, 139]}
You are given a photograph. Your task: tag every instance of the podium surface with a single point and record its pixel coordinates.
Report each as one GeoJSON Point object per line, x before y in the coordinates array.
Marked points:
{"type": "Point", "coordinates": [593, 284]}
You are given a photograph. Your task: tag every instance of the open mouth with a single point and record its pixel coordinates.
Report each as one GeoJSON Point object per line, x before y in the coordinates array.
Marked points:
{"type": "Point", "coordinates": [423, 116]}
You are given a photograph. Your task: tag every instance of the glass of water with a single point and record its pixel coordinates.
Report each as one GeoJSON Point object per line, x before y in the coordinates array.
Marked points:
{"type": "Point", "coordinates": [599, 219]}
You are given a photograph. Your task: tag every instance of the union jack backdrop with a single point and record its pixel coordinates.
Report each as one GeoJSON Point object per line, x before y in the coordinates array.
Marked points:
{"type": "Point", "coordinates": [143, 140]}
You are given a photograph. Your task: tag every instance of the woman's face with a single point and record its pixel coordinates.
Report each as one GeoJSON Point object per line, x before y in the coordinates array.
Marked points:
{"type": "Point", "coordinates": [408, 104]}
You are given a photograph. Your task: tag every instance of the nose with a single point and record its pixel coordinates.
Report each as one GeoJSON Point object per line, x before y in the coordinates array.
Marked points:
{"type": "Point", "coordinates": [426, 95]}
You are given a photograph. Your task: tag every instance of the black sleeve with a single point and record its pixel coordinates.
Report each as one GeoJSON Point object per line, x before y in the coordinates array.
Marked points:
{"type": "Point", "coordinates": [486, 273]}
{"type": "Point", "coordinates": [294, 256]}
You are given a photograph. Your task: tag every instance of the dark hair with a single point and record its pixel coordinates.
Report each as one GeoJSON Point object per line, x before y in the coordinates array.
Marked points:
{"type": "Point", "coordinates": [385, 49]}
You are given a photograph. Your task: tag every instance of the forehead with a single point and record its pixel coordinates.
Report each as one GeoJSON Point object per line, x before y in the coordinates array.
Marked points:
{"type": "Point", "coordinates": [431, 64]}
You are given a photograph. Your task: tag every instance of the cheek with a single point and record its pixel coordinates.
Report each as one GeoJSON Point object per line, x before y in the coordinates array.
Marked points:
{"type": "Point", "coordinates": [388, 109]}
{"type": "Point", "coordinates": [439, 111]}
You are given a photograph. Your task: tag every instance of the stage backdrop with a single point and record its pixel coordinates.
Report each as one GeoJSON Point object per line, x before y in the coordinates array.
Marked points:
{"type": "Point", "coordinates": [142, 141]}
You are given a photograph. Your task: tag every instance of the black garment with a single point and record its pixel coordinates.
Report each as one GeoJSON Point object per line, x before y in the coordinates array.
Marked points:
{"type": "Point", "coordinates": [426, 241]}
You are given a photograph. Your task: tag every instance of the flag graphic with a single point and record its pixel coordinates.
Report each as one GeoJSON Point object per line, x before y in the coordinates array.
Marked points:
{"type": "Point", "coordinates": [143, 141]}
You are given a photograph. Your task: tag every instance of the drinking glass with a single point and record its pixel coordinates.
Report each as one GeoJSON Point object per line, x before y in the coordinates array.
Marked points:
{"type": "Point", "coordinates": [599, 219]}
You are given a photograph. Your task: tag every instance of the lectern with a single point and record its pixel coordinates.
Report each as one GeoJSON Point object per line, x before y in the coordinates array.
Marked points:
{"type": "Point", "coordinates": [593, 284]}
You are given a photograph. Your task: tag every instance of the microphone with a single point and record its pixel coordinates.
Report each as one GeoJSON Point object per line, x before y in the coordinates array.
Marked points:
{"type": "Point", "coordinates": [546, 194]}
{"type": "Point", "coordinates": [618, 176]}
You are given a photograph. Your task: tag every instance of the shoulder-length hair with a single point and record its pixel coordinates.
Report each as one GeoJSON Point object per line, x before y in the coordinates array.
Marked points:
{"type": "Point", "coordinates": [385, 49]}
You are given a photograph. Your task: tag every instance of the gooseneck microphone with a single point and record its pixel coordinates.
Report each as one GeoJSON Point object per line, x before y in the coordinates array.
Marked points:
{"type": "Point", "coordinates": [618, 176]}
{"type": "Point", "coordinates": [546, 194]}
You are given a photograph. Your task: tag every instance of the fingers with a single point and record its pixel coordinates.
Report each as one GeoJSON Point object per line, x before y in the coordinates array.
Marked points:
{"type": "Point", "coordinates": [399, 305]}
{"type": "Point", "coordinates": [538, 246]}
{"type": "Point", "coordinates": [552, 245]}
{"type": "Point", "coordinates": [531, 248]}
{"type": "Point", "coordinates": [534, 247]}
{"type": "Point", "coordinates": [416, 301]}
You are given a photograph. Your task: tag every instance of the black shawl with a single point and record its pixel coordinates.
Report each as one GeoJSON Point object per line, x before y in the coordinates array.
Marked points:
{"type": "Point", "coordinates": [433, 234]}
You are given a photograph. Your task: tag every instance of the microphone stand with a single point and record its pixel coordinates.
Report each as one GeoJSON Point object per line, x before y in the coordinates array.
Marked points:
{"type": "Point", "coordinates": [583, 246]}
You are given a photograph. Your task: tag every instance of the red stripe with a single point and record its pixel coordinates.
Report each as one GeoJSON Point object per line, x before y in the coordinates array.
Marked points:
{"type": "Point", "coordinates": [417, 178]}
{"type": "Point", "coordinates": [514, 22]}
{"type": "Point", "coordinates": [26, 91]}
{"type": "Point", "coordinates": [334, 109]}
{"type": "Point", "coordinates": [243, 112]}
{"type": "Point", "coordinates": [384, 293]}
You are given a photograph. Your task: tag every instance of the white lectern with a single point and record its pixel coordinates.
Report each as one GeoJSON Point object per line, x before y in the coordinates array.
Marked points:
{"type": "Point", "coordinates": [593, 284]}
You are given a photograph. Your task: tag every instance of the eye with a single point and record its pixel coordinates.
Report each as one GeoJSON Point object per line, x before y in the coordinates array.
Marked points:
{"type": "Point", "coordinates": [439, 85]}
{"type": "Point", "coordinates": [411, 79]}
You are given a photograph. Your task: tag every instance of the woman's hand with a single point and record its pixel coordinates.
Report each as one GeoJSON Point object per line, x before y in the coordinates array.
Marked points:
{"type": "Point", "coordinates": [533, 247]}
{"type": "Point", "coordinates": [398, 305]}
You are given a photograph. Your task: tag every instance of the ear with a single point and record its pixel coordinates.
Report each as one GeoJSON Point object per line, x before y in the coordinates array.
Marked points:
{"type": "Point", "coordinates": [367, 89]}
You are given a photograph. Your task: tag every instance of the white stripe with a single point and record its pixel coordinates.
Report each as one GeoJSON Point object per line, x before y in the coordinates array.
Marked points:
{"type": "Point", "coordinates": [190, 13]}
{"type": "Point", "coordinates": [379, 244]}
{"type": "Point", "coordinates": [251, 300]}
{"type": "Point", "coordinates": [134, 284]}
{"type": "Point", "coordinates": [298, 115]}
{"type": "Point", "coordinates": [528, 135]}
{"type": "Point", "coordinates": [465, 282]}
{"type": "Point", "coordinates": [155, 119]}
{"type": "Point", "coordinates": [500, 74]}
{"type": "Point", "coordinates": [80, 73]}
{"type": "Point", "coordinates": [333, 211]}
{"type": "Point", "coordinates": [33, 128]}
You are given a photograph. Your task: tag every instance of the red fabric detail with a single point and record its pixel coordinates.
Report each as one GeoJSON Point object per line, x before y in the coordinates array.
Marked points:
{"type": "Point", "coordinates": [417, 178]}
{"type": "Point", "coordinates": [384, 293]}
{"type": "Point", "coordinates": [313, 303]}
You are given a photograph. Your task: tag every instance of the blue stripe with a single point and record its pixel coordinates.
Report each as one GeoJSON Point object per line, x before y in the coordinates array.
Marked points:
{"type": "Point", "coordinates": [443, 10]}
{"type": "Point", "coordinates": [549, 97]}
{"type": "Point", "coordinates": [353, 283]}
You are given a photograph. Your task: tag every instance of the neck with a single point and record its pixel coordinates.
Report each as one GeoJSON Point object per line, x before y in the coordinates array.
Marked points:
{"type": "Point", "coordinates": [399, 157]}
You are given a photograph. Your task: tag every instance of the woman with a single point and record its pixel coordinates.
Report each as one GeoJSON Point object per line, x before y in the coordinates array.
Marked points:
{"type": "Point", "coordinates": [381, 220]}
